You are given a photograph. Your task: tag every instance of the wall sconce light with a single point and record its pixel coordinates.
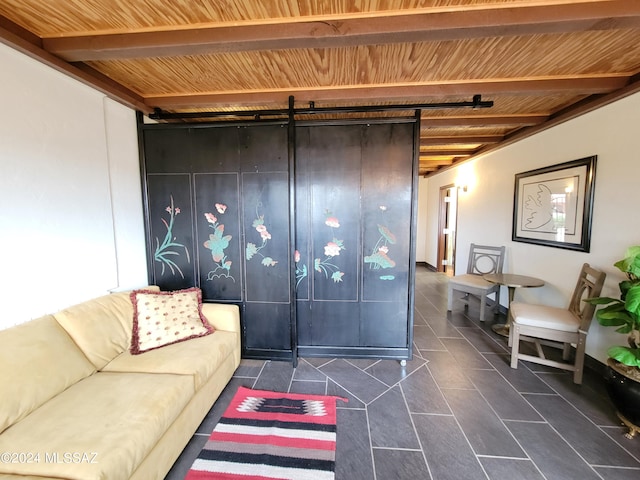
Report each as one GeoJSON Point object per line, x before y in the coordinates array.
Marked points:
{"type": "Point", "coordinates": [465, 178]}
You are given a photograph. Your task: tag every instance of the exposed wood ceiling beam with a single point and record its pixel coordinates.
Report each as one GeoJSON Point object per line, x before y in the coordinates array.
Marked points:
{"type": "Point", "coordinates": [420, 25]}
{"type": "Point", "coordinates": [448, 153]}
{"type": "Point", "coordinates": [434, 163]}
{"type": "Point", "coordinates": [482, 120]}
{"type": "Point", "coordinates": [582, 85]}
{"type": "Point", "coordinates": [9, 27]}
{"type": "Point", "coordinates": [430, 168]}
{"type": "Point", "coordinates": [16, 37]}
{"type": "Point", "coordinates": [463, 139]}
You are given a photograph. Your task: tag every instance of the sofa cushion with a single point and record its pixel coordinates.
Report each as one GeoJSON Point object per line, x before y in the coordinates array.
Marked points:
{"type": "Point", "coordinates": [38, 360]}
{"type": "Point", "coordinates": [100, 327]}
{"type": "Point", "coordinates": [100, 428]}
{"type": "Point", "coordinates": [164, 318]}
{"type": "Point", "coordinates": [198, 357]}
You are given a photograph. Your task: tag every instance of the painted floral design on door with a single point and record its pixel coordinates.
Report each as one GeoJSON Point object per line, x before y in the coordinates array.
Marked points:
{"type": "Point", "coordinates": [217, 243]}
{"type": "Point", "coordinates": [252, 249]}
{"type": "Point", "coordinates": [379, 258]}
{"type": "Point", "coordinates": [167, 249]}
{"type": "Point", "coordinates": [331, 249]}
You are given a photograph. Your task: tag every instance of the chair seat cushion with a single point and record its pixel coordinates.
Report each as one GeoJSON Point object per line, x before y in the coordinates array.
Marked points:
{"type": "Point", "coordinates": [544, 316]}
{"type": "Point", "coordinates": [469, 280]}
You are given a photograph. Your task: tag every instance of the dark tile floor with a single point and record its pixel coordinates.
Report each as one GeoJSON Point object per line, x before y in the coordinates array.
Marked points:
{"type": "Point", "coordinates": [456, 411]}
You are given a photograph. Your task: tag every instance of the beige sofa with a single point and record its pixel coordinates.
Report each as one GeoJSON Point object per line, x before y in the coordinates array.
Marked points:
{"type": "Point", "coordinates": [75, 404]}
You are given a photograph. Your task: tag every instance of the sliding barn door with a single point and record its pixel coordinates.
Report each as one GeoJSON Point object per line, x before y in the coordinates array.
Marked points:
{"type": "Point", "coordinates": [218, 218]}
{"type": "Point", "coordinates": [354, 261]}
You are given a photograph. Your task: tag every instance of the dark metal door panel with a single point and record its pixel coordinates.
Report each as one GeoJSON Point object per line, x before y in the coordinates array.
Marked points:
{"type": "Point", "coordinates": [336, 324]}
{"type": "Point", "coordinates": [265, 208]}
{"type": "Point", "coordinates": [219, 242]}
{"type": "Point", "coordinates": [384, 324]}
{"type": "Point", "coordinates": [170, 231]}
{"type": "Point", "coordinates": [334, 197]}
{"type": "Point", "coordinates": [267, 326]}
{"type": "Point", "coordinates": [236, 181]}
{"type": "Point", "coordinates": [304, 322]}
{"type": "Point", "coordinates": [263, 149]}
{"type": "Point", "coordinates": [214, 149]}
{"type": "Point", "coordinates": [354, 190]}
{"type": "Point", "coordinates": [387, 196]}
{"type": "Point", "coordinates": [167, 150]}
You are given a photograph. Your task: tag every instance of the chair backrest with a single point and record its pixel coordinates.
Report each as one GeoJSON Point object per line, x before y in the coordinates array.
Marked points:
{"type": "Point", "coordinates": [589, 285]}
{"type": "Point", "coordinates": [484, 259]}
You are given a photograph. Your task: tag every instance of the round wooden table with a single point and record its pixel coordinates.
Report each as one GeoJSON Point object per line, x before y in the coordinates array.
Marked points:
{"type": "Point", "coordinates": [511, 281]}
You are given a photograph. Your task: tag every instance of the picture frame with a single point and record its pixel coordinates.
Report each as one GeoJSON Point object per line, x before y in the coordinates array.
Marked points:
{"type": "Point", "coordinates": [552, 206]}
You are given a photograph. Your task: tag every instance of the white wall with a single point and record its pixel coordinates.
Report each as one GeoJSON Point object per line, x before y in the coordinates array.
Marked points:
{"type": "Point", "coordinates": [71, 223]}
{"type": "Point", "coordinates": [485, 211]}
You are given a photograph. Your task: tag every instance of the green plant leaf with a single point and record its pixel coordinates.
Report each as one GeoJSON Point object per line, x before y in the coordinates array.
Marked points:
{"type": "Point", "coordinates": [634, 267]}
{"type": "Point", "coordinates": [631, 262]}
{"type": "Point", "coordinates": [617, 306]}
{"type": "Point", "coordinates": [613, 316]}
{"type": "Point", "coordinates": [632, 299]}
{"type": "Point", "coordinates": [626, 328]}
{"type": "Point", "coordinates": [625, 355]}
{"type": "Point", "coordinates": [600, 300]}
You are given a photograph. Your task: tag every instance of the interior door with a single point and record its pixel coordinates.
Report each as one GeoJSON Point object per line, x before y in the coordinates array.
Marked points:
{"type": "Point", "coordinates": [447, 224]}
{"type": "Point", "coordinates": [218, 218]}
{"type": "Point", "coordinates": [353, 256]}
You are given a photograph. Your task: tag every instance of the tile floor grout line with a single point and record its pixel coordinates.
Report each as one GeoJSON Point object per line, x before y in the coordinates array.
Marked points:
{"type": "Point", "coordinates": [500, 419]}
{"type": "Point", "coordinates": [415, 430]}
{"type": "Point", "coordinates": [570, 403]}
{"type": "Point", "coordinates": [636, 458]}
{"type": "Point", "coordinates": [552, 427]}
{"type": "Point", "coordinates": [457, 422]}
{"type": "Point", "coordinates": [253, 385]}
{"type": "Point", "coordinates": [395, 384]}
{"type": "Point", "coordinates": [402, 449]}
{"type": "Point", "coordinates": [373, 459]}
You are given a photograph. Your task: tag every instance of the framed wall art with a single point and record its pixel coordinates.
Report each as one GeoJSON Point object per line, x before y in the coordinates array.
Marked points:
{"type": "Point", "coordinates": [553, 205]}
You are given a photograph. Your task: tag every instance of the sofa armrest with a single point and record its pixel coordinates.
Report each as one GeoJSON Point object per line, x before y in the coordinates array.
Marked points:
{"type": "Point", "coordinates": [222, 316]}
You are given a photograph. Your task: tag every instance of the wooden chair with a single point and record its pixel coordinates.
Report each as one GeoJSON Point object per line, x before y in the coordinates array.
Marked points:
{"type": "Point", "coordinates": [559, 327]}
{"type": "Point", "coordinates": [482, 260]}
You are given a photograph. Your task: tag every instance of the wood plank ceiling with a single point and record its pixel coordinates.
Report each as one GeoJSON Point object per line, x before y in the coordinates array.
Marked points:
{"type": "Point", "coordinates": [539, 62]}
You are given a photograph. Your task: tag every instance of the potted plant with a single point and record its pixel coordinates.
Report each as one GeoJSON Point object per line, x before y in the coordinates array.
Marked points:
{"type": "Point", "coordinates": [623, 372]}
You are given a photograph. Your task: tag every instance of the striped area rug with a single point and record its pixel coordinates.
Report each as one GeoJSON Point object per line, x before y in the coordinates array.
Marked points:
{"type": "Point", "coordinates": [269, 435]}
